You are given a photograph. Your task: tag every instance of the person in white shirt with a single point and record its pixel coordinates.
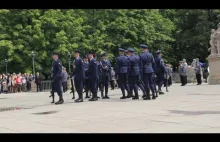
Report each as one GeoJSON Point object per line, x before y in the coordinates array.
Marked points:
{"type": "Point", "coordinates": [24, 83]}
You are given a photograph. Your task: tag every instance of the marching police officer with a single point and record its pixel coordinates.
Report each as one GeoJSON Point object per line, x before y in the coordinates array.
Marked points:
{"type": "Point", "coordinates": [93, 76]}
{"type": "Point", "coordinates": [79, 75]}
{"type": "Point", "coordinates": [140, 82]}
{"type": "Point", "coordinates": [86, 81]}
{"type": "Point", "coordinates": [105, 68]}
{"type": "Point", "coordinates": [133, 72]}
{"type": "Point", "coordinates": [121, 71]}
{"type": "Point", "coordinates": [131, 92]}
{"type": "Point", "coordinates": [147, 71]}
{"type": "Point", "coordinates": [57, 76]}
{"type": "Point", "coordinates": [159, 70]}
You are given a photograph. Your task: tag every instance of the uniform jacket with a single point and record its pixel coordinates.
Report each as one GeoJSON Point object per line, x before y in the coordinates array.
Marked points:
{"type": "Point", "coordinates": [121, 64]}
{"type": "Point", "coordinates": [146, 62]}
{"type": "Point", "coordinates": [86, 67]}
{"type": "Point", "coordinates": [93, 69]}
{"type": "Point", "coordinates": [79, 71]}
{"type": "Point", "coordinates": [133, 65]}
{"type": "Point", "coordinates": [159, 65]}
{"type": "Point", "coordinates": [57, 69]}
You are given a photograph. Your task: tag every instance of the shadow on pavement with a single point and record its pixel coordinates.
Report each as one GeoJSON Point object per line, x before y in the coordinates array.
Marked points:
{"type": "Point", "coordinates": [194, 112]}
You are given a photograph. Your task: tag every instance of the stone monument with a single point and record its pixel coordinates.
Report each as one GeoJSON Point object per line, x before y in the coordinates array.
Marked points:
{"type": "Point", "coordinates": [214, 57]}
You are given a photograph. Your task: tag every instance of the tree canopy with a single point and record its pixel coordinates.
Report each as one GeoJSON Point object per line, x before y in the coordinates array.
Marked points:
{"type": "Point", "coordinates": [179, 33]}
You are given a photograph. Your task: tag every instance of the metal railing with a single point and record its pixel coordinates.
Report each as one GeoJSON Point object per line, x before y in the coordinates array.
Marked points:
{"type": "Point", "coordinates": [46, 86]}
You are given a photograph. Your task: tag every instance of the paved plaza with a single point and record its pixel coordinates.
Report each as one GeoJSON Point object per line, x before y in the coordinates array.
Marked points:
{"type": "Point", "coordinates": [189, 109]}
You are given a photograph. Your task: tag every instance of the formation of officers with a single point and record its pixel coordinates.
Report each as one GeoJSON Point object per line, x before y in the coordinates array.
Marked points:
{"type": "Point", "coordinates": [133, 71]}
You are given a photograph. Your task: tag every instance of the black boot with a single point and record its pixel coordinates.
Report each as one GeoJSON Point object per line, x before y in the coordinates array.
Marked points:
{"type": "Point", "coordinates": [154, 97]}
{"type": "Point", "coordinates": [123, 96]}
{"type": "Point", "coordinates": [73, 96]}
{"type": "Point", "coordinates": [161, 93]}
{"type": "Point", "coordinates": [93, 99]}
{"type": "Point", "coordinates": [147, 96]}
{"type": "Point", "coordinates": [106, 94]}
{"type": "Point", "coordinates": [135, 97]}
{"type": "Point", "coordinates": [87, 95]}
{"type": "Point", "coordinates": [61, 101]}
{"type": "Point", "coordinates": [79, 100]}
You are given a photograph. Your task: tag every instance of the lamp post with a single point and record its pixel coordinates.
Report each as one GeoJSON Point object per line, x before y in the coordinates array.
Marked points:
{"type": "Point", "coordinates": [69, 59]}
{"type": "Point", "coordinates": [33, 57]}
{"type": "Point", "coordinates": [6, 66]}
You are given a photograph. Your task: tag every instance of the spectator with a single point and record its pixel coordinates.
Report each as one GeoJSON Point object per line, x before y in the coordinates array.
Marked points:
{"type": "Point", "coordinates": [64, 79]}
{"type": "Point", "coordinates": [38, 82]}
{"type": "Point", "coordinates": [10, 88]}
{"type": "Point", "coordinates": [112, 81]}
{"type": "Point", "coordinates": [24, 83]}
{"type": "Point", "coordinates": [4, 84]}
{"type": "Point", "coordinates": [0, 83]}
{"type": "Point", "coordinates": [29, 79]}
{"type": "Point", "coordinates": [18, 83]}
{"type": "Point", "coordinates": [14, 87]}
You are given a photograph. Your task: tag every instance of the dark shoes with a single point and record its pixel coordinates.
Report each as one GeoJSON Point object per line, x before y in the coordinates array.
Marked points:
{"type": "Point", "coordinates": [106, 97]}
{"type": "Point", "coordinates": [79, 100]}
{"type": "Point", "coordinates": [153, 98]}
{"type": "Point", "coordinates": [146, 98]}
{"type": "Point", "coordinates": [61, 101]}
{"type": "Point", "coordinates": [161, 93]}
{"type": "Point", "coordinates": [123, 97]}
{"type": "Point", "coordinates": [93, 99]}
{"type": "Point", "coordinates": [135, 98]}
{"type": "Point", "coordinates": [87, 97]}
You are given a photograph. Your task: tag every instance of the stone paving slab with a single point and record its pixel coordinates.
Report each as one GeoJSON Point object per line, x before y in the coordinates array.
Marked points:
{"type": "Point", "coordinates": [188, 109]}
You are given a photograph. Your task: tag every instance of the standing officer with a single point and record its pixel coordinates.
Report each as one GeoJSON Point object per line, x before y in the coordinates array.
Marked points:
{"type": "Point", "coordinates": [86, 81]}
{"type": "Point", "coordinates": [198, 70]}
{"type": "Point", "coordinates": [57, 77]}
{"type": "Point", "coordinates": [159, 70]}
{"type": "Point", "coordinates": [121, 71]}
{"type": "Point", "coordinates": [105, 67]}
{"type": "Point", "coordinates": [93, 76]}
{"type": "Point", "coordinates": [133, 72]}
{"type": "Point", "coordinates": [79, 75]}
{"type": "Point", "coordinates": [147, 71]}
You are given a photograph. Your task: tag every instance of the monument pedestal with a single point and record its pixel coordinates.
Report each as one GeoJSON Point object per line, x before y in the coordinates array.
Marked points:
{"type": "Point", "coordinates": [214, 70]}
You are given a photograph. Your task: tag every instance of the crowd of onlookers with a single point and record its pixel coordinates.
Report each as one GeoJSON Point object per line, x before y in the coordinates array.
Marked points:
{"type": "Point", "coordinates": [13, 83]}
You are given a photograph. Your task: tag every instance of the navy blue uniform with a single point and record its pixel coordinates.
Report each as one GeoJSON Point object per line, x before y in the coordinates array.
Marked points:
{"type": "Point", "coordinates": [79, 76]}
{"type": "Point", "coordinates": [57, 76]}
{"type": "Point", "coordinates": [105, 73]}
{"type": "Point", "coordinates": [133, 73]}
{"type": "Point", "coordinates": [93, 77]}
{"type": "Point", "coordinates": [147, 65]}
{"type": "Point", "coordinates": [140, 82]}
{"type": "Point", "coordinates": [86, 81]}
{"type": "Point", "coordinates": [159, 71]}
{"type": "Point", "coordinates": [121, 71]}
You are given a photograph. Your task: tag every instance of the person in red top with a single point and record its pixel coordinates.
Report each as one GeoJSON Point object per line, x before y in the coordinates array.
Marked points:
{"type": "Point", "coordinates": [18, 83]}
